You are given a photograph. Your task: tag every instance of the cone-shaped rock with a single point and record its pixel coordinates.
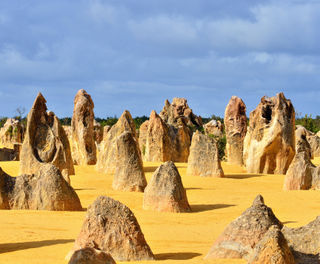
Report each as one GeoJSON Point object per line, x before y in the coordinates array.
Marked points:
{"type": "Point", "coordinates": [112, 227]}
{"type": "Point", "coordinates": [91, 256]}
{"type": "Point", "coordinates": [45, 142]}
{"type": "Point", "coordinates": [272, 249]}
{"type": "Point", "coordinates": [204, 157]}
{"type": "Point", "coordinates": [269, 145]}
{"type": "Point", "coordinates": [165, 191]}
{"type": "Point", "coordinates": [83, 143]}
{"type": "Point", "coordinates": [241, 235]}
{"type": "Point", "coordinates": [235, 121]}
{"type": "Point", "coordinates": [44, 190]}
{"type": "Point", "coordinates": [158, 143]}
{"type": "Point", "coordinates": [129, 175]}
{"type": "Point", "coordinates": [304, 242]}
{"type": "Point", "coordinates": [106, 159]}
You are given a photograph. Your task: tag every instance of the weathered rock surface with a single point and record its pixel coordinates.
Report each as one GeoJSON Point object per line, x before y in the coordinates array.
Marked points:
{"type": "Point", "coordinates": [97, 132]}
{"type": "Point", "coordinates": [235, 121]}
{"type": "Point", "coordinates": [241, 236]}
{"type": "Point", "coordinates": [214, 127]}
{"type": "Point", "coordinates": [158, 143]}
{"type": "Point", "coordinates": [129, 174]}
{"type": "Point", "coordinates": [304, 242]}
{"type": "Point", "coordinates": [44, 190]}
{"type": "Point", "coordinates": [272, 249]}
{"type": "Point", "coordinates": [11, 133]}
{"type": "Point", "coordinates": [165, 191]}
{"type": "Point", "coordinates": [112, 227]}
{"type": "Point", "coordinates": [269, 145]}
{"type": "Point", "coordinates": [107, 162]}
{"type": "Point", "coordinates": [204, 157]}
{"type": "Point", "coordinates": [91, 256]}
{"type": "Point", "coordinates": [314, 142]}
{"type": "Point", "coordinates": [302, 174]}
{"type": "Point", "coordinates": [83, 143]}
{"type": "Point", "coordinates": [7, 154]}
{"type": "Point", "coordinates": [179, 109]}
{"type": "Point", "coordinates": [45, 142]}
{"type": "Point", "coordinates": [143, 132]}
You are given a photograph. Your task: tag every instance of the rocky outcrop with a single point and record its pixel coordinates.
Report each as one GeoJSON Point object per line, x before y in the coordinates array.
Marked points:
{"type": "Point", "coordinates": [242, 235]}
{"type": "Point", "coordinates": [112, 227]}
{"type": "Point", "coordinates": [272, 249]}
{"type": "Point", "coordinates": [44, 190]}
{"type": "Point", "coordinates": [302, 174]}
{"type": "Point", "coordinates": [83, 143]}
{"type": "Point", "coordinates": [143, 132]}
{"type": "Point", "coordinates": [269, 145]}
{"type": "Point", "coordinates": [204, 157]}
{"type": "Point", "coordinates": [45, 142]}
{"type": "Point", "coordinates": [314, 142]}
{"type": "Point", "coordinates": [97, 132]}
{"type": "Point", "coordinates": [107, 162]}
{"type": "Point", "coordinates": [214, 128]}
{"type": "Point", "coordinates": [179, 109]}
{"type": "Point", "coordinates": [11, 133]}
{"type": "Point", "coordinates": [91, 256]}
{"type": "Point", "coordinates": [158, 143]}
{"type": "Point", "coordinates": [165, 191]}
{"type": "Point", "coordinates": [235, 121]}
{"type": "Point", "coordinates": [129, 174]}
{"type": "Point", "coordinates": [304, 242]}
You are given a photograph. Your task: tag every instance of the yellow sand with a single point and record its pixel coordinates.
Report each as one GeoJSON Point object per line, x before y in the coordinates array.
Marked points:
{"type": "Point", "coordinates": [46, 237]}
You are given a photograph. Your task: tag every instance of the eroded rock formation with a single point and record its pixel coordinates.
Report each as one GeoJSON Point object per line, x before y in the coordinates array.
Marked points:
{"type": "Point", "coordinates": [45, 190]}
{"type": "Point", "coordinates": [112, 227]}
{"type": "Point", "coordinates": [91, 256]}
{"type": "Point", "coordinates": [235, 121]}
{"type": "Point", "coordinates": [165, 191]}
{"type": "Point", "coordinates": [269, 145]}
{"type": "Point", "coordinates": [129, 174]}
{"type": "Point", "coordinates": [214, 128]}
{"type": "Point", "coordinates": [45, 142]}
{"type": "Point", "coordinates": [83, 142]}
{"type": "Point", "coordinates": [241, 236]}
{"type": "Point", "coordinates": [11, 133]}
{"type": "Point", "coordinates": [204, 157]}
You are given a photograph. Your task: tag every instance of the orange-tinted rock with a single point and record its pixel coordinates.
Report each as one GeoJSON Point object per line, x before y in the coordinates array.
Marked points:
{"type": "Point", "coordinates": [129, 174]}
{"type": "Point", "coordinates": [241, 236]}
{"type": "Point", "coordinates": [106, 159]}
{"type": "Point", "coordinates": [97, 132]}
{"type": "Point", "coordinates": [214, 127]}
{"type": "Point", "coordinates": [45, 190]}
{"type": "Point", "coordinates": [45, 142]}
{"type": "Point", "coordinates": [165, 191]}
{"type": "Point", "coordinates": [112, 227]}
{"type": "Point", "coordinates": [204, 157]}
{"type": "Point", "coordinates": [235, 121]}
{"type": "Point", "coordinates": [83, 143]}
{"type": "Point", "coordinates": [269, 145]}
{"type": "Point", "coordinates": [272, 249]}
{"type": "Point", "coordinates": [91, 256]}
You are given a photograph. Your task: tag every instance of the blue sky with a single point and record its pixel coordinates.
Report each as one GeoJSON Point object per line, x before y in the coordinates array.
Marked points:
{"type": "Point", "coordinates": [134, 54]}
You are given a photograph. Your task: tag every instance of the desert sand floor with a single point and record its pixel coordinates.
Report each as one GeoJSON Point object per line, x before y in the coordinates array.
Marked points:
{"type": "Point", "coordinates": [46, 237]}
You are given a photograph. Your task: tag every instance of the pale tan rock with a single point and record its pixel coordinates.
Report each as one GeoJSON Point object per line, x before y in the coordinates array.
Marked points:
{"type": "Point", "coordinates": [91, 256]}
{"type": "Point", "coordinates": [82, 124]}
{"type": "Point", "coordinates": [269, 145]}
{"type": "Point", "coordinates": [204, 157]}
{"type": "Point", "coordinates": [45, 190]}
{"type": "Point", "coordinates": [129, 174]}
{"type": "Point", "coordinates": [143, 132]}
{"type": "Point", "coordinates": [235, 121]}
{"type": "Point", "coordinates": [241, 236]}
{"type": "Point", "coordinates": [272, 249]}
{"type": "Point", "coordinates": [106, 159]}
{"type": "Point", "coordinates": [112, 227]}
{"type": "Point", "coordinates": [97, 132]}
{"type": "Point", "coordinates": [45, 142]}
{"type": "Point", "coordinates": [165, 191]}
{"type": "Point", "coordinates": [11, 133]}
{"type": "Point", "coordinates": [214, 127]}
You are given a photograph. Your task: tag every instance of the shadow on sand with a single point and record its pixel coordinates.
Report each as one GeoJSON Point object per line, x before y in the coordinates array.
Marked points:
{"type": "Point", "coordinates": [177, 256]}
{"type": "Point", "coordinates": [289, 222]}
{"type": "Point", "coordinates": [242, 176]}
{"type": "Point", "coordinates": [84, 189]}
{"type": "Point", "coordinates": [207, 207]}
{"type": "Point", "coordinates": [10, 247]}
{"type": "Point", "coordinates": [149, 169]}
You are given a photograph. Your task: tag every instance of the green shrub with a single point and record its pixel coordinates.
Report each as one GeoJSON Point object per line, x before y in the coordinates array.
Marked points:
{"type": "Point", "coordinates": [221, 142]}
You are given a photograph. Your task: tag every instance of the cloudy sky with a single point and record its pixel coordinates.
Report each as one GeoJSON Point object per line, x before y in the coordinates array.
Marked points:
{"type": "Point", "coordinates": [134, 54]}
